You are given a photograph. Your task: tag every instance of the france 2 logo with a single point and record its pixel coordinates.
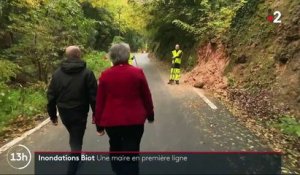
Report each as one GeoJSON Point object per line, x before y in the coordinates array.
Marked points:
{"type": "Point", "coordinates": [275, 18]}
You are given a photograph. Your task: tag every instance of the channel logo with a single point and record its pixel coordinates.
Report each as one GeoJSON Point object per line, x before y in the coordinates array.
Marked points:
{"type": "Point", "coordinates": [275, 18]}
{"type": "Point", "coordinates": [19, 157]}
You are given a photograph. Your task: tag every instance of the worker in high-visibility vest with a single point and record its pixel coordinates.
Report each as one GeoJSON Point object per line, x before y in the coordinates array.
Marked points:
{"type": "Point", "coordinates": [131, 58]}
{"type": "Point", "coordinates": [176, 62]}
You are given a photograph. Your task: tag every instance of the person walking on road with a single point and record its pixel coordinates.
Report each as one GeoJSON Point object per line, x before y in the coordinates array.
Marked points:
{"type": "Point", "coordinates": [72, 90]}
{"type": "Point", "coordinates": [123, 104]}
{"type": "Point", "coordinates": [176, 63]}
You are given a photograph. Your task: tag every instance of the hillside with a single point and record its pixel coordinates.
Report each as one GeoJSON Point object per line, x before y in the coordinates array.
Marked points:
{"type": "Point", "coordinates": [256, 57]}
{"type": "Point", "coordinates": [253, 65]}
{"type": "Point", "coordinates": [257, 71]}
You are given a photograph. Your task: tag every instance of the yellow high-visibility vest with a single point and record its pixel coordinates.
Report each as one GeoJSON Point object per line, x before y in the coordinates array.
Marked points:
{"type": "Point", "coordinates": [130, 60]}
{"type": "Point", "coordinates": [176, 56]}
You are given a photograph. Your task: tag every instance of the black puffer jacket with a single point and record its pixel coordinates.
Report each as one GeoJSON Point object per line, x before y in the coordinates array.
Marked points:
{"type": "Point", "coordinates": [73, 86]}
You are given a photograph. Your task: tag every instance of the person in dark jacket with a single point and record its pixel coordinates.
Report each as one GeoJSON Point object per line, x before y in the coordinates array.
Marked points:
{"type": "Point", "coordinates": [72, 91]}
{"type": "Point", "coordinates": [123, 104]}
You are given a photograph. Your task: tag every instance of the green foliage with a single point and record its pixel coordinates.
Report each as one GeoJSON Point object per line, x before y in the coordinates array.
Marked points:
{"type": "Point", "coordinates": [96, 62]}
{"type": "Point", "coordinates": [38, 45]}
{"type": "Point", "coordinates": [215, 19]}
{"type": "Point", "coordinates": [118, 39]}
{"type": "Point", "coordinates": [243, 14]}
{"type": "Point", "coordinates": [105, 28]}
{"type": "Point", "coordinates": [127, 14]}
{"type": "Point", "coordinates": [249, 33]}
{"type": "Point", "coordinates": [41, 41]}
{"type": "Point", "coordinates": [290, 125]}
{"type": "Point", "coordinates": [117, 21]}
{"type": "Point", "coordinates": [135, 40]}
{"type": "Point", "coordinates": [21, 101]}
{"type": "Point", "coordinates": [191, 62]}
{"type": "Point", "coordinates": [188, 22]}
{"type": "Point", "coordinates": [231, 80]}
{"type": "Point", "coordinates": [7, 70]}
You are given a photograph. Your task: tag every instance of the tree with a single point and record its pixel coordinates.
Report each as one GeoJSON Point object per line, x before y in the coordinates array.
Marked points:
{"type": "Point", "coordinates": [43, 31]}
{"type": "Point", "coordinates": [106, 27]}
{"type": "Point", "coordinates": [125, 18]}
{"type": "Point", "coordinates": [188, 22]}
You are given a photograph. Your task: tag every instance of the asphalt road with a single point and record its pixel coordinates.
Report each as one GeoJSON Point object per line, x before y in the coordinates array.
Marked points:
{"type": "Point", "coordinates": [183, 122]}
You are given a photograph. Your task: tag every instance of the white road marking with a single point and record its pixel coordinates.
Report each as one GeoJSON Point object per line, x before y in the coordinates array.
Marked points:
{"type": "Point", "coordinates": [210, 104]}
{"type": "Point", "coordinates": [26, 134]}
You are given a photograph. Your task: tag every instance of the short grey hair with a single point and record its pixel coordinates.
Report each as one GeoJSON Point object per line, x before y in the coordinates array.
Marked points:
{"type": "Point", "coordinates": [119, 53]}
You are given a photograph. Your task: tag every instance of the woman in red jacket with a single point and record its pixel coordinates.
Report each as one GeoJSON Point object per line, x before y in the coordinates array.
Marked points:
{"type": "Point", "coordinates": [123, 104]}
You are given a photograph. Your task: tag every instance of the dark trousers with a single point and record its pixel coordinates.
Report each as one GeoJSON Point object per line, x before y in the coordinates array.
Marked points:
{"type": "Point", "coordinates": [125, 139]}
{"type": "Point", "coordinates": [75, 122]}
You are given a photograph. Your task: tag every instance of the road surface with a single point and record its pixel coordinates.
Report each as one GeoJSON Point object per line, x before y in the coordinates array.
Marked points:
{"type": "Point", "coordinates": [183, 122]}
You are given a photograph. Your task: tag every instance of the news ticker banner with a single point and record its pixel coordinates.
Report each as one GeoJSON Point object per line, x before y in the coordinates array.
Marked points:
{"type": "Point", "coordinates": [162, 162]}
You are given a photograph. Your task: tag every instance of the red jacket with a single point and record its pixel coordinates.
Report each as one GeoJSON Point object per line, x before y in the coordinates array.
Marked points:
{"type": "Point", "coordinates": [123, 97]}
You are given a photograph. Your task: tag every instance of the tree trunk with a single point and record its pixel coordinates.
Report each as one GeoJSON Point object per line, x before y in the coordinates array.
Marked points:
{"type": "Point", "coordinates": [40, 71]}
